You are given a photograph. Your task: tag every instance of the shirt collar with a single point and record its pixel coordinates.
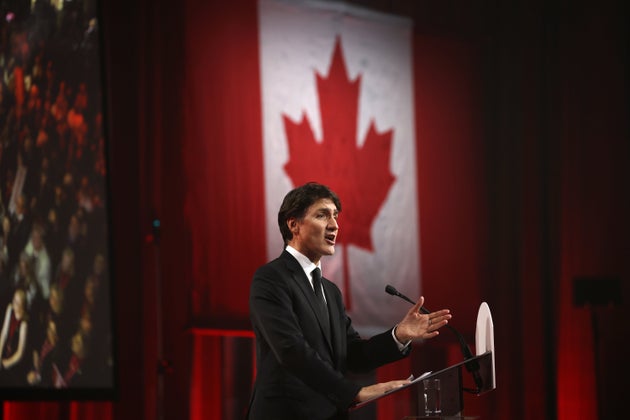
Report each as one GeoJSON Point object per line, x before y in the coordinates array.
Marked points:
{"type": "Point", "coordinates": [307, 265]}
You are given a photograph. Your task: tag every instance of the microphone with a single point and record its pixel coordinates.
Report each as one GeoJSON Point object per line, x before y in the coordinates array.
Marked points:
{"type": "Point", "coordinates": [392, 291]}
{"type": "Point", "coordinates": [472, 366]}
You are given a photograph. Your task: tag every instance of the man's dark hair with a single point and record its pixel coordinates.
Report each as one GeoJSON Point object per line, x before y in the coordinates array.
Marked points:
{"type": "Point", "coordinates": [298, 200]}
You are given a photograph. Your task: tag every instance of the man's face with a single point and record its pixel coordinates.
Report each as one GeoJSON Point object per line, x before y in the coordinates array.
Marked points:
{"type": "Point", "coordinates": [315, 234]}
{"type": "Point", "coordinates": [51, 333]}
{"type": "Point", "coordinates": [20, 205]}
{"type": "Point", "coordinates": [18, 303]}
{"type": "Point", "coordinates": [36, 238]}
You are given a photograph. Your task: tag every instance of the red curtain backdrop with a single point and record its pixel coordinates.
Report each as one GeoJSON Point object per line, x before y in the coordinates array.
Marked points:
{"type": "Point", "coordinates": [222, 154]}
{"type": "Point", "coordinates": [224, 199]}
{"type": "Point", "coordinates": [594, 220]}
{"type": "Point", "coordinates": [451, 189]}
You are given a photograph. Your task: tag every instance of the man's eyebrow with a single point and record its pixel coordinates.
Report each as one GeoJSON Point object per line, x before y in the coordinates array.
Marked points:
{"type": "Point", "coordinates": [327, 210]}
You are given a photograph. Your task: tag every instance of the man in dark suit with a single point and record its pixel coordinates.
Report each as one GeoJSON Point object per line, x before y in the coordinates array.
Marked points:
{"type": "Point", "coordinates": [305, 341]}
{"type": "Point", "coordinates": [20, 233]}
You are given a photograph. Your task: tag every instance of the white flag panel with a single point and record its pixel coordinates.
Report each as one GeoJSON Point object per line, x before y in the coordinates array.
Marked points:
{"type": "Point", "coordinates": [297, 41]}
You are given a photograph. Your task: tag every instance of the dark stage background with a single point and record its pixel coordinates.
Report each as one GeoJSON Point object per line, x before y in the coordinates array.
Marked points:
{"type": "Point", "coordinates": [523, 178]}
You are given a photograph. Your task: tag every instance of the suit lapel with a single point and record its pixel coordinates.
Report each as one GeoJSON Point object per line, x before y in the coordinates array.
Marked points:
{"type": "Point", "coordinates": [305, 286]}
{"type": "Point", "coordinates": [334, 310]}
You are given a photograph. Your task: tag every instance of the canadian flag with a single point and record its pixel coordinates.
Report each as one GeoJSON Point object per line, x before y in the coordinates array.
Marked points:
{"type": "Point", "coordinates": [338, 108]}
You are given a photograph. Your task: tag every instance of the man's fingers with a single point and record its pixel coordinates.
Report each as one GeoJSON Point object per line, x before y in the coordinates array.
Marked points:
{"type": "Point", "coordinates": [393, 385]}
{"type": "Point", "coordinates": [418, 305]}
{"type": "Point", "coordinates": [440, 318]}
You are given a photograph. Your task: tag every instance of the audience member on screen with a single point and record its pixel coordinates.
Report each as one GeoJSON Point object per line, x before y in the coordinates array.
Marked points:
{"type": "Point", "coordinates": [13, 340]}
{"type": "Point", "coordinates": [5, 282]}
{"type": "Point", "coordinates": [71, 372]}
{"type": "Point", "coordinates": [36, 250]}
{"type": "Point", "coordinates": [44, 357]}
{"type": "Point", "coordinates": [24, 279]}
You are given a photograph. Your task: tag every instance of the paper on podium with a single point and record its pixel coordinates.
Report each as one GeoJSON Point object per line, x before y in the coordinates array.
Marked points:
{"type": "Point", "coordinates": [484, 335]}
{"type": "Point", "coordinates": [419, 378]}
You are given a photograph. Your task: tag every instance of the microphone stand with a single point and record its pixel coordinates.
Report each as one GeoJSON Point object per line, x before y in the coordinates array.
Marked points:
{"type": "Point", "coordinates": [472, 366]}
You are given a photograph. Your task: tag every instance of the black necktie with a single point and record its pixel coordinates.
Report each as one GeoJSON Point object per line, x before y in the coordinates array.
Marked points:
{"type": "Point", "coordinates": [317, 286]}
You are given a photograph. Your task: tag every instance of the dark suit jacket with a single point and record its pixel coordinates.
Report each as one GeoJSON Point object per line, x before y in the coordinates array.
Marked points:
{"type": "Point", "coordinates": [300, 372]}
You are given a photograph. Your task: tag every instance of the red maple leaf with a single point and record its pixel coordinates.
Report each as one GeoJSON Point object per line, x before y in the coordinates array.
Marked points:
{"type": "Point", "coordinates": [359, 175]}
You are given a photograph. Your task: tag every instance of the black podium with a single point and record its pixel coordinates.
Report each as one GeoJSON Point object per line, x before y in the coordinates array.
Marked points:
{"type": "Point", "coordinates": [451, 387]}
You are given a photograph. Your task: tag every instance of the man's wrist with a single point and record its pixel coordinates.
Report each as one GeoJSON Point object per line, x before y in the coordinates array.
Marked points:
{"type": "Point", "coordinates": [402, 343]}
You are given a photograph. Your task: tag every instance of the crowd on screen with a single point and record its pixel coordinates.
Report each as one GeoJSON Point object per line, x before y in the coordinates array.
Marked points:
{"type": "Point", "coordinates": [54, 284]}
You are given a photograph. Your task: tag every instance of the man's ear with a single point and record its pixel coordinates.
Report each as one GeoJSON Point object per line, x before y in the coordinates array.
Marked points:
{"type": "Point", "coordinates": [293, 225]}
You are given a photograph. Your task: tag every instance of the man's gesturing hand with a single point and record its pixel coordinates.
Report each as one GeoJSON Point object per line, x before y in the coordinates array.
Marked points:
{"type": "Point", "coordinates": [416, 325]}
